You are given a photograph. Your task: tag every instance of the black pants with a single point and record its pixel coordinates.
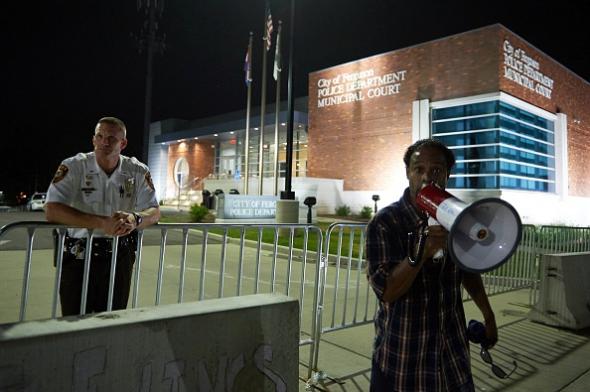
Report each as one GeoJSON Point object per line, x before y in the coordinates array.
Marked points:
{"type": "Point", "coordinates": [70, 290]}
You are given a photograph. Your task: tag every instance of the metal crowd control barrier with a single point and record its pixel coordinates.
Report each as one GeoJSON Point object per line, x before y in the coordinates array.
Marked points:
{"type": "Point", "coordinates": [198, 253]}
{"type": "Point", "coordinates": [346, 299]}
{"type": "Point", "coordinates": [240, 256]}
{"type": "Point", "coordinates": [346, 304]}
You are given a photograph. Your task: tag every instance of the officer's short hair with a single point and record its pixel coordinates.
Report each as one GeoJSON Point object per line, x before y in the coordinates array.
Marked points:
{"type": "Point", "coordinates": [113, 121]}
{"type": "Point", "coordinates": [449, 156]}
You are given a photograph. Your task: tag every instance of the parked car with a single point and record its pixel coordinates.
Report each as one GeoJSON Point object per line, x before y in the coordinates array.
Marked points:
{"type": "Point", "coordinates": [3, 206]}
{"type": "Point", "coordinates": [37, 201]}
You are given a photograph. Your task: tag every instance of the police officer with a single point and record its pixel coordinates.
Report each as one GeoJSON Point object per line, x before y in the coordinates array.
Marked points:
{"type": "Point", "coordinates": [112, 194]}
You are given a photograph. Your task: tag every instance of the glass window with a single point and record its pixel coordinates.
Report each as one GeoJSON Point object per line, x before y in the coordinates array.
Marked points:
{"type": "Point", "coordinates": [474, 109]}
{"type": "Point", "coordinates": [515, 150]}
{"type": "Point", "coordinates": [483, 152]}
{"type": "Point", "coordinates": [485, 167]}
{"type": "Point", "coordinates": [470, 139]}
{"type": "Point", "coordinates": [466, 124]}
{"type": "Point", "coordinates": [523, 115]}
{"type": "Point", "coordinates": [487, 182]}
{"type": "Point", "coordinates": [524, 129]}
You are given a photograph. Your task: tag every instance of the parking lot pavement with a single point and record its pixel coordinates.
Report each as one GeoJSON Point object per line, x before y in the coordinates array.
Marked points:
{"type": "Point", "coordinates": [548, 358]}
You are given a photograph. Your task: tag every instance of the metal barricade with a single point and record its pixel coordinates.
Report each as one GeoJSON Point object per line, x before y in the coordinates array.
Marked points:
{"type": "Point", "coordinates": [345, 297]}
{"type": "Point", "coordinates": [42, 262]}
{"type": "Point", "coordinates": [203, 261]}
{"type": "Point", "coordinates": [194, 262]}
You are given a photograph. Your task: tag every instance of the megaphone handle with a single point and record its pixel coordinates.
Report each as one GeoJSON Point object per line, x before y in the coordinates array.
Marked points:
{"type": "Point", "coordinates": [422, 234]}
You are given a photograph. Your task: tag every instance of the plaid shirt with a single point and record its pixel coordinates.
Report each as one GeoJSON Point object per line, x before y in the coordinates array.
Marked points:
{"type": "Point", "coordinates": [420, 341]}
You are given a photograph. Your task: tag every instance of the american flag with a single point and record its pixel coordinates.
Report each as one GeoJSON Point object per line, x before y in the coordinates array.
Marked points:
{"type": "Point", "coordinates": [269, 28]}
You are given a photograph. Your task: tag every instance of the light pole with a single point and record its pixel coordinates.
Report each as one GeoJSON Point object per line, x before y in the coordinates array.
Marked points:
{"type": "Point", "coordinates": [309, 201]}
{"type": "Point", "coordinates": [151, 43]}
{"type": "Point", "coordinates": [375, 199]}
{"type": "Point", "coordinates": [288, 194]}
{"type": "Point", "coordinates": [287, 210]}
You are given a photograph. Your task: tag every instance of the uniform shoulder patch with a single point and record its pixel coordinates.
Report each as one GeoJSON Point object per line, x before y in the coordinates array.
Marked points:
{"type": "Point", "coordinates": [148, 180]}
{"type": "Point", "coordinates": [60, 174]}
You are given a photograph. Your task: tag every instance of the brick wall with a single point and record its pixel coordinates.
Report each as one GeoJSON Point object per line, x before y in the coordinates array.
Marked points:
{"type": "Point", "coordinates": [200, 156]}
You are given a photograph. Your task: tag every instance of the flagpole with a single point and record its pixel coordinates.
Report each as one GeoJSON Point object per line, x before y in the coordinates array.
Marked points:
{"type": "Point", "coordinates": [277, 75]}
{"type": "Point", "coordinates": [266, 40]}
{"type": "Point", "coordinates": [248, 105]}
{"type": "Point", "coordinates": [288, 194]}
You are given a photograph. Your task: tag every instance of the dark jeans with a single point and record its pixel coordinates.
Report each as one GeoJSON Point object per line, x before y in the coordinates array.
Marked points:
{"type": "Point", "coordinates": [98, 283]}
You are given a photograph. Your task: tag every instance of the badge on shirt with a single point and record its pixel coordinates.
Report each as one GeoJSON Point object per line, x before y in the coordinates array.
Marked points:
{"type": "Point", "coordinates": [129, 186]}
{"type": "Point", "coordinates": [60, 174]}
{"type": "Point", "coordinates": [148, 180]}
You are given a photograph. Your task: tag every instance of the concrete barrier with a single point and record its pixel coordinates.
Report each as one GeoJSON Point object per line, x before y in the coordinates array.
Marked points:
{"type": "Point", "coordinates": [247, 343]}
{"type": "Point", "coordinates": [564, 292]}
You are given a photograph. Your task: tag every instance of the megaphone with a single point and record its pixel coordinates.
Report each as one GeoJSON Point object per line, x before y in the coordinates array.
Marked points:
{"type": "Point", "coordinates": [482, 235]}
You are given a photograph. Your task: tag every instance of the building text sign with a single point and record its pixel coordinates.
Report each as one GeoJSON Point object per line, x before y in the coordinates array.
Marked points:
{"type": "Point", "coordinates": [249, 207]}
{"type": "Point", "coordinates": [358, 86]}
{"type": "Point", "coordinates": [524, 70]}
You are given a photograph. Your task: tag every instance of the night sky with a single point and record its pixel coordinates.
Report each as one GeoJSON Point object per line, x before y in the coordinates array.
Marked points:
{"type": "Point", "coordinates": [68, 63]}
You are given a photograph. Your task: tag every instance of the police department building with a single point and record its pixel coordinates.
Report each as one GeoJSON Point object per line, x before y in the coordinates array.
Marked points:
{"type": "Point", "coordinates": [517, 121]}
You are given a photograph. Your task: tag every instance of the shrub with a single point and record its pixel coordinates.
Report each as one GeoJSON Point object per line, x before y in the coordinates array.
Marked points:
{"type": "Point", "coordinates": [343, 210]}
{"type": "Point", "coordinates": [366, 212]}
{"type": "Point", "coordinates": [198, 212]}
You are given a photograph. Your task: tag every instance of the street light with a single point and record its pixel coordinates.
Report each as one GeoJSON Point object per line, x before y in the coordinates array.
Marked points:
{"type": "Point", "coordinates": [375, 199]}
{"type": "Point", "coordinates": [309, 201]}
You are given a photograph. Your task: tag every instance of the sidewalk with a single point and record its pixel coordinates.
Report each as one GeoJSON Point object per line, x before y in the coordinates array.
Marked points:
{"type": "Point", "coordinates": [549, 359]}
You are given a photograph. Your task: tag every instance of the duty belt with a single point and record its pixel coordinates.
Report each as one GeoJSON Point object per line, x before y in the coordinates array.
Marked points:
{"type": "Point", "coordinates": [100, 246]}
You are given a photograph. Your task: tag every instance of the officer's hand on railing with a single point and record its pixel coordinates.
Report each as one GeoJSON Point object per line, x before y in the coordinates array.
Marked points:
{"type": "Point", "coordinates": [120, 224]}
{"type": "Point", "coordinates": [130, 217]}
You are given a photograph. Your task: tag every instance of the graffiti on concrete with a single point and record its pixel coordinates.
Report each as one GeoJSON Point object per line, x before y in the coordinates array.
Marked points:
{"type": "Point", "coordinates": [90, 371]}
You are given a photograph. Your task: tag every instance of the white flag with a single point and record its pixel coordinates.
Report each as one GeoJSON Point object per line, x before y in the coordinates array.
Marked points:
{"type": "Point", "coordinates": [277, 67]}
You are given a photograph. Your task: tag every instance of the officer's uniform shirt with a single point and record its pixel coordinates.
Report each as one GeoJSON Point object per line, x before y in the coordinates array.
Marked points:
{"type": "Point", "coordinates": [80, 183]}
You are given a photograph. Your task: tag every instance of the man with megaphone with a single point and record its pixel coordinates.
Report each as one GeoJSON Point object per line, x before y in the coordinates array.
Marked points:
{"type": "Point", "coordinates": [421, 342]}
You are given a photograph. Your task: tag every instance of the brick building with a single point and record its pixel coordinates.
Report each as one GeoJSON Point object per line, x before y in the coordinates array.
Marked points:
{"type": "Point", "coordinates": [517, 120]}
